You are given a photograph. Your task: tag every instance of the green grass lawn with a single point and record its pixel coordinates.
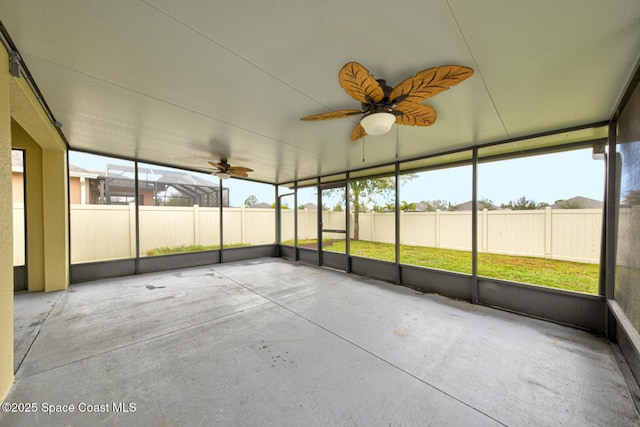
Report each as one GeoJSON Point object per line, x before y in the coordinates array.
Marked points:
{"type": "Point", "coordinates": [308, 243]}
{"type": "Point", "coordinates": [574, 276]}
{"type": "Point", "coordinates": [166, 250]}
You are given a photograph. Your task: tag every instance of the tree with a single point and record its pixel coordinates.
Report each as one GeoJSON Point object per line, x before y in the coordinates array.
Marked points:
{"type": "Point", "coordinates": [363, 192]}
{"type": "Point", "coordinates": [250, 201]}
{"type": "Point", "coordinates": [486, 204]}
{"type": "Point", "coordinates": [176, 200]}
{"type": "Point", "coordinates": [566, 204]}
{"type": "Point", "coordinates": [523, 204]}
{"type": "Point", "coordinates": [337, 207]}
{"type": "Point", "coordinates": [387, 207]}
{"type": "Point", "coordinates": [433, 205]}
{"type": "Point", "coordinates": [282, 206]}
{"type": "Point", "coordinates": [404, 206]}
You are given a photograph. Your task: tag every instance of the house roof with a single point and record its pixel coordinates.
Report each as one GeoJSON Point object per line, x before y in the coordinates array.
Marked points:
{"type": "Point", "coordinates": [467, 206]}
{"type": "Point", "coordinates": [262, 205]}
{"type": "Point", "coordinates": [572, 203]}
{"type": "Point", "coordinates": [78, 171]}
{"type": "Point", "coordinates": [578, 202]}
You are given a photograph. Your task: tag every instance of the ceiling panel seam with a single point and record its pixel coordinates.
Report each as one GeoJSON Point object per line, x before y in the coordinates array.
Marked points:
{"type": "Point", "coordinates": [478, 71]}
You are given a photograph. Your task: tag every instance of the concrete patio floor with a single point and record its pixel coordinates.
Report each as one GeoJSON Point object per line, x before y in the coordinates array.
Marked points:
{"type": "Point", "coordinates": [273, 342]}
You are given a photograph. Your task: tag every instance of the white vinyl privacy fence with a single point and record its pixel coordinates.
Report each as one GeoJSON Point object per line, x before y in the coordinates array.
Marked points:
{"type": "Point", "coordinates": [100, 232]}
{"type": "Point", "coordinates": [103, 232]}
{"type": "Point", "coordinates": [564, 234]}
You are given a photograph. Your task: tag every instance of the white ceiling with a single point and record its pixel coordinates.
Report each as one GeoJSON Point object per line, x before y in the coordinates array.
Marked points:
{"type": "Point", "coordinates": [180, 83]}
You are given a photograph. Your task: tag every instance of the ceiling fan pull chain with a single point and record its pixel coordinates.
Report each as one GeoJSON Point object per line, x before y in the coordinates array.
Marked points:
{"type": "Point", "coordinates": [363, 138]}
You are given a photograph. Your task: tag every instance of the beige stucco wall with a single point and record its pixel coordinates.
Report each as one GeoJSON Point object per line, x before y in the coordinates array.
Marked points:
{"type": "Point", "coordinates": [6, 234]}
{"type": "Point", "coordinates": [46, 190]}
{"type": "Point", "coordinates": [55, 217]}
{"type": "Point", "coordinates": [34, 224]}
{"type": "Point", "coordinates": [25, 125]}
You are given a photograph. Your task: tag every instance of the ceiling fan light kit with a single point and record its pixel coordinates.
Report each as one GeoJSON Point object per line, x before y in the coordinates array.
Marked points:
{"type": "Point", "coordinates": [223, 175]}
{"type": "Point", "coordinates": [378, 123]}
{"type": "Point", "coordinates": [383, 105]}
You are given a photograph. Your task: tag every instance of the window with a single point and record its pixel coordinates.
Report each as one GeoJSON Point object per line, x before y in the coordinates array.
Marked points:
{"type": "Point", "coordinates": [540, 219]}
{"type": "Point", "coordinates": [334, 222]}
{"type": "Point", "coordinates": [307, 217]}
{"type": "Point", "coordinates": [373, 206]}
{"type": "Point", "coordinates": [287, 218]}
{"type": "Point", "coordinates": [435, 218]}
{"type": "Point", "coordinates": [102, 208]}
{"type": "Point", "coordinates": [250, 217]}
{"type": "Point", "coordinates": [179, 210]}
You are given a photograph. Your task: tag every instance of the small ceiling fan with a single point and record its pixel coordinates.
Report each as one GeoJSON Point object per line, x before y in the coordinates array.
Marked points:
{"type": "Point", "coordinates": [383, 106]}
{"type": "Point", "coordinates": [226, 171]}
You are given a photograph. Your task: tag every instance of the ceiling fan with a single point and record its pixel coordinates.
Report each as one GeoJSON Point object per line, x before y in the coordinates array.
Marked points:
{"type": "Point", "coordinates": [383, 106]}
{"type": "Point", "coordinates": [226, 171]}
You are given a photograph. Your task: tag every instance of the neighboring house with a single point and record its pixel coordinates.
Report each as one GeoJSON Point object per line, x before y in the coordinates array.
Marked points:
{"type": "Point", "coordinates": [262, 205]}
{"type": "Point", "coordinates": [466, 206]}
{"type": "Point", "coordinates": [17, 181]}
{"type": "Point", "coordinates": [78, 180]}
{"type": "Point", "coordinates": [156, 187]}
{"type": "Point", "coordinates": [578, 202]}
{"type": "Point", "coordinates": [79, 183]}
{"type": "Point", "coordinates": [421, 207]}
{"type": "Point", "coordinates": [425, 207]}
{"type": "Point", "coordinates": [116, 185]}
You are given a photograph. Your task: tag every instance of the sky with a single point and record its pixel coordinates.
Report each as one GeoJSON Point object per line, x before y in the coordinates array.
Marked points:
{"type": "Point", "coordinates": [543, 178]}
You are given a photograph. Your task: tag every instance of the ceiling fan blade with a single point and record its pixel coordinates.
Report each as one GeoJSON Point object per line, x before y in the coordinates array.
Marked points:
{"type": "Point", "coordinates": [360, 84]}
{"type": "Point", "coordinates": [238, 173]}
{"type": "Point", "coordinates": [234, 169]}
{"type": "Point", "coordinates": [358, 132]}
{"type": "Point", "coordinates": [414, 114]}
{"type": "Point", "coordinates": [429, 82]}
{"type": "Point", "coordinates": [330, 115]}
